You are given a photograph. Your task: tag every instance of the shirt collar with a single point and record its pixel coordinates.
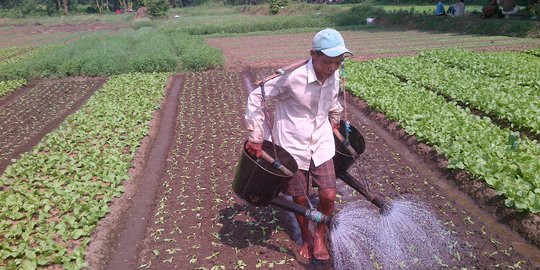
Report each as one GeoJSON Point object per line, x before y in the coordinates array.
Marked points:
{"type": "Point", "coordinates": [311, 76]}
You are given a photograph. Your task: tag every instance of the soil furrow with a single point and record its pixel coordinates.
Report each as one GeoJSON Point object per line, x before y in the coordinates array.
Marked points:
{"type": "Point", "coordinates": [198, 222]}
{"type": "Point", "coordinates": [33, 111]}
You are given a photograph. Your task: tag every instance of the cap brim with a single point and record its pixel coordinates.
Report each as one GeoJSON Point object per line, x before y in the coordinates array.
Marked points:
{"type": "Point", "coordinates": [336, 51]}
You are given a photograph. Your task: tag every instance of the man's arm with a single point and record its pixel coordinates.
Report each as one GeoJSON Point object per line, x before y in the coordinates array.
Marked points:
{"type": "Point", "coordinates": [334, 113]}
{"type": "Point", "coordinates": [255, 114]}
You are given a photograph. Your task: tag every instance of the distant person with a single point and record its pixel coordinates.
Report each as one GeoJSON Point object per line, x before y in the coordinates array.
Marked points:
{"type": "Point", "coordinates": [491, 9]}
{"type": "Point", "coordinates": [509, 7]}
{"type": "Point", "coordinates": [439, 8]}
{"type": "Point", "coordinates": [457, 9]}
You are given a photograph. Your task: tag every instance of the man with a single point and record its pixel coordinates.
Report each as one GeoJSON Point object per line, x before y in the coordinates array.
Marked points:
{"type": "Point", "coordinates": [439, 8]}
{"type": "Point", "coordinates": [509, 7]}
{"type": "Point", "coordinates": [307, 109]}
{"type": "Point", "coordinates": [457, 9]}
{"type": "Point", "coordinates": [491, 9]}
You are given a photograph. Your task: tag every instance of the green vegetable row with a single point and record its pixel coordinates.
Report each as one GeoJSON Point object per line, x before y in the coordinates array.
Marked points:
{"type": "Point", "coordinates": [7, 87]}
{"type": "Point", "coordinates": [519, 67]}
{"type": "Point", "coordinates": [515, 99]}
{"type": "Point", "coordinates": [112, 53]}
{"type": "Point", "coordinates": [468, 141]}
{"type": "Point", "coordinates": [55, 195]}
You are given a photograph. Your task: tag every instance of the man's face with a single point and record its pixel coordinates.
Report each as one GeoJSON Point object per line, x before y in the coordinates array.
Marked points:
{"type": "Point", "coordinates": [325, 66]}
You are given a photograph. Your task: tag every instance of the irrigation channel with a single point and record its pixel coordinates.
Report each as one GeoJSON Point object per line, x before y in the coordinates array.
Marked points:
{"type": "Point", "coordinates": [195, 221]}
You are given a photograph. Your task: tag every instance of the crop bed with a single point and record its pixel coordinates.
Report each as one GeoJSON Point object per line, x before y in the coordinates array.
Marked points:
{"type": "Point", "coordinates": [33, 111]}
{"type": "Point", "coordinates": [198, 223]}
{"type": "Point", "coordinates": [281, 50]}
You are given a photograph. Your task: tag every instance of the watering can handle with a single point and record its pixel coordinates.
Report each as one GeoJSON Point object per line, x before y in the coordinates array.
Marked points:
{"type": "Point", "coordinates": [275, 163]}
{"type": "Point", "coordinates": [346, 144]}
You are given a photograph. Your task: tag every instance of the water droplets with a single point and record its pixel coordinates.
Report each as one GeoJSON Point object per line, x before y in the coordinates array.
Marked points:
{"type": "Point", "coordinates": [408, 236]}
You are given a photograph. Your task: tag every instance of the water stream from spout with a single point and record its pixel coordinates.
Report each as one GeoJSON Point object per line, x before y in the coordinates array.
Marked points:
{"type": "Point", "coordinates": [409, 236]}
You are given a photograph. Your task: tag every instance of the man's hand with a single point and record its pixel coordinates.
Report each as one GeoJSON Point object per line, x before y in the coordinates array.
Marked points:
{"type": "Point", "coordinates": [254, 149]}
{"type": "Point", "coordinates": [335, 125]}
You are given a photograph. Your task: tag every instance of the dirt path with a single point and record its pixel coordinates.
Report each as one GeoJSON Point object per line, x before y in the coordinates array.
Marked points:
{"type": "Point", "coordinates": [281, 50]}
{"type": "Point", "coordinates": [117, 240]}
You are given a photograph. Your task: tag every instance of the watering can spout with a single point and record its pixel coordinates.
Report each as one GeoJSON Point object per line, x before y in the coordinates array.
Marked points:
{"type": "Point", "coordinates": [347, 150]}
{"type": "Point", "coordinates": [384, 206]}
{"type": "Point", "coordinates": [311, 214]}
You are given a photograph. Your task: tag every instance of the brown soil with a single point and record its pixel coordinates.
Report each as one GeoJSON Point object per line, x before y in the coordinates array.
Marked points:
{"type": "Point", "coordinates": [199, 223]}
{"type": "Point", "coordinates": [38, 34]}
{"type": "Point", "coordinates": [281, 50]}
{"type": "Point", "coordinates": [179, 211]}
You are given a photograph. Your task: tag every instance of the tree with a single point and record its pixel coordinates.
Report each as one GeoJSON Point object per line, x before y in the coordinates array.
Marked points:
{"type": "Point", "coordinates": [100, 6]}
{"type": "Point", "coordinates": [66, 10]}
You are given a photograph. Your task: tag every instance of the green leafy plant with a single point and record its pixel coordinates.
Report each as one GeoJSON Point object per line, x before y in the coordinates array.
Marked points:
{"type": "Point", "coordinates": [102, 54]}
{"type": "Point", "coordinates": [157, 8]}
{"type": "Point", "coordinates": [54, 195]}
{"type": "Point", "coordinates": [9, 86]}
{"type": "Point", "coordinates": [277, 5]}
{"type": "Point", "coordinates": [469, 142]}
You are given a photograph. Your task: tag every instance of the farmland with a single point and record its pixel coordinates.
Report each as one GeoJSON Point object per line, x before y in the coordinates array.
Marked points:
{"type": "Point", "coordinates": [134, 170]}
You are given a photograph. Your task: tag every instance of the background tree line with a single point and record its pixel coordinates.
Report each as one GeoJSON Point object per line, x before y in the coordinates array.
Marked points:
{"type": "Point", "coordinates": [64, 7]}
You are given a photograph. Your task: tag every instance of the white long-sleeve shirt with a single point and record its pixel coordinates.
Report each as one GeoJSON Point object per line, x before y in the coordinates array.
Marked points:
{"type": "Point", "coordinates": [303, 107]}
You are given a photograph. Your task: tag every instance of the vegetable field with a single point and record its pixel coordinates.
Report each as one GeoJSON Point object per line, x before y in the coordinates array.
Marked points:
{"type": "Point", "coordinates": [54, 195]}
{"type": "Point", "coordinates": [455, 129]}
{"type": "Point", "coordinates": [412, 92]}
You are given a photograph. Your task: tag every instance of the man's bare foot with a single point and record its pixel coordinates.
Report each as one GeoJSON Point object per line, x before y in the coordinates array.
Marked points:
{"type": "Point", "coordinates": [305, 251]}
{"type": "Point", "coordinates": [320, 252]}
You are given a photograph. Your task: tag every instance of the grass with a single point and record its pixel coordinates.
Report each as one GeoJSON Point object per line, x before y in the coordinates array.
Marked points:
{"type": "Point", "coordinates": [240, 23]}
{"type": "Point", "coordinates": [423, 9]}
{"type": "Point", "coordinates": [176, 43]}
{"type": "Point", "coordinates": [127, 51]}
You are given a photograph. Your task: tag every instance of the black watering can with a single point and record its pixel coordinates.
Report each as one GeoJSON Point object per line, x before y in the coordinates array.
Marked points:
{"type": "Point", "coordinates": [259, 181]}
{"type": "Point", "coordinates": [349, 145]}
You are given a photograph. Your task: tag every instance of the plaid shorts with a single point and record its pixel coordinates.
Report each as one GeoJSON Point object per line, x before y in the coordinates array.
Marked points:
{"type": "Point", "coordinates": [323, 176]}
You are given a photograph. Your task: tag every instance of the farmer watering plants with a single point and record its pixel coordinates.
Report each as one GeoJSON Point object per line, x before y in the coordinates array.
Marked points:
{"type": "Point", "coordinates": [306, 111]}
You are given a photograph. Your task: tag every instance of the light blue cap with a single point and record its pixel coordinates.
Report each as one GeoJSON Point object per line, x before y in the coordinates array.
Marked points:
{"type": "Point", "coordinates": [330, 42]}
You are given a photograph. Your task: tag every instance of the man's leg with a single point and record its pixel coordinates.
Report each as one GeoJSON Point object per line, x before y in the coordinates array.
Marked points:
{"type": "Point", "coordinates": [324, 177]}
{"type": "Point", "coordinates": [297, 188]}
{"type": "Point", "coordinates": [326, 206]}
{"type": "Point", "coordinates": [303, 223]}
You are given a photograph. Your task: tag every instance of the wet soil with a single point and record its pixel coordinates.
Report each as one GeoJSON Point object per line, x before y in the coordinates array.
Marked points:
{"type": "Point", "coordinates": [199, 223]}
